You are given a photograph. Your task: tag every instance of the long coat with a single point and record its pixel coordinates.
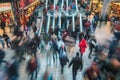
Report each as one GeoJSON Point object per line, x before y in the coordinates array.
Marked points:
{"type": "Point", "coordinates": [82, 46]}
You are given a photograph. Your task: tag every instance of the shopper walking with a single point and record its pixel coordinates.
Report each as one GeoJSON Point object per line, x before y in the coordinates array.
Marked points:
{"type": "Point", "coordinates": [63, 57]}
{"type": "Point", "coordinates": [92, 45]}
{"type": "Point", "coordinates": [32, 67]}
{"type": "Point", "coordinates": [92, 73]}
{"type": "Point", "coordinates": [82, 46]}
{"type": "Point", "coordinates": [77, 65]}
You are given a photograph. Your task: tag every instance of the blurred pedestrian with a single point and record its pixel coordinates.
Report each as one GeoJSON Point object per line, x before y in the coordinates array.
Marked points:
{"type": "Point", "coordinates": [54, 46]}
{"type": "Point", "coordinates": [73, 6]}
{"type": "Point", "coordinates": [48, 75]}
{"type": "Point", "coordinates": [77, 64]}
{"type": "Point", "coordinates": [32, 67]}
{"type": "Point", "coordinates": [63, 57]}
{"type": "Point", "coordinates": [13, 66]}
{"type": "Point", "coordinates": [82, 46]}
{"type": "Point", "coordinates": [7, 40]}
{"type": "Point", "coordinates": [87, 26]}
{"type": "Point", "coordinates": [2, 55]}
{"type": "Point", "coordinates": [33, 47]}
{"type": "Point", "coordinates": [113, 43]}
{"type": "Point", "coordinates": [20, 50]}
{"type": "Point", "coordinates": [92, 45]}
{"type": "Point", "coordinates": [92, 73]}
{"type": "Point", "coordinates": [2, 42]}
{"type": "Point", "coordinates": [111, 68]}
{"type": "Point", "coordinates": [34, 28]}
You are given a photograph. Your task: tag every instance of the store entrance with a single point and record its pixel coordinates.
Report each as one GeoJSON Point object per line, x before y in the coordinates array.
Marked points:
{"type": "Point", "coordinates": [6, 18]}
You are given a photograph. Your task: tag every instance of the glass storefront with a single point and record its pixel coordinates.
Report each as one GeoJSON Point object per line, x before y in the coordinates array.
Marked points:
{"type": "Point", "coordinates": [6, 15]}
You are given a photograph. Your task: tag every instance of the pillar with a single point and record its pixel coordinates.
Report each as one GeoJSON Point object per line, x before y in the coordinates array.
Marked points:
{"type": "Point", "coordinates": [60, 20]}
{"type": "Point", "coordinates": [81, 26]}
{"type": "Point", "coordinates": [62, 4]}
{"type": "Point", "coordinates": [46, 4]}
{"type": "Point", "coordinates": [53, 26]}
{"type": "Point", "coordinates": [40, 28]}
{"type": "Point", "coordinates": [48, 23]}
{"type": "Point", "coordinates": [67, 24]}
{"type": "Point", "coordinates": [73, 21]}
{"type": "Point", "coordinates": [76, 3]}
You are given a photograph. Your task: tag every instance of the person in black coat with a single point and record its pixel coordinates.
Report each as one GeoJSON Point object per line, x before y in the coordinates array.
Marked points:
{"type": "Point", "coordinates": [92, 45]}
{"type": "Point", "coordinates": [2, 55]}
{"type": "Point", "coordinates": [13, 67]}
{"type": "Point", "coordinates": [77, 64]}
{"type": "Point", "coordinates": [7, 40]}
{"type": "Point", "coordinates": [33, 47]}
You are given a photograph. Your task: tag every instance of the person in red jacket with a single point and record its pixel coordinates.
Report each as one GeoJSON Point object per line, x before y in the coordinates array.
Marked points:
{"type": "Point", "coordinates": [82, 46]}
{"type": "Point", "coordinates": [32, 67]}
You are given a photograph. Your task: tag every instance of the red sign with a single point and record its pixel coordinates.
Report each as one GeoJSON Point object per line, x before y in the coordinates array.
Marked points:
{"type": "Point", "coordinates": [24, 3]}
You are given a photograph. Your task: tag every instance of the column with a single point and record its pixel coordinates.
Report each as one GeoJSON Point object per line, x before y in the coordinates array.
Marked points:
{"type": "Point", "coordinates": [73, 21]}
{"type": "Point", "coordinates": [67, 5]}
{"type": "Point", "coordinates": [76, 3]}
{"type": "Point", "coordinates": [62, 4]}
{"type": "Point", "coordinates": [54, 4]}
{"type": "Point", "coordinates": [53, 26]}
{"type": "Point", "coordinates": [81, 26]}
{"type": "Point", "coordinates": [67, 24]}
{"type": "Point", "coordinates": [46, 4]}
{"type": "Point", "coordinates": [48, 23]}
{"type": "Point", "coordinates": [40, 28]}
{"type": "Point", "coordinates": [60, 20]}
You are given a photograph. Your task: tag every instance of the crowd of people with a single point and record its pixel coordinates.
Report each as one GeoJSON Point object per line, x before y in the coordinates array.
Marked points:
{"type": "Point", "coordinates": [56, 43]}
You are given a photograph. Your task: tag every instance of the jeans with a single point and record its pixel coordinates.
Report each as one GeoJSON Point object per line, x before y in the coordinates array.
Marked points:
{"type": "Point", "coordinates": [74, 73]}
{"type": "Point", "coordinates": [34, 73]}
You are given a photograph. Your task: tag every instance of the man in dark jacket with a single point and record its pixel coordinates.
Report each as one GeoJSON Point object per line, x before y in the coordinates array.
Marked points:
{"type": "Point", "coordinates": [13, 66]}
{"type": "Point", "coordinates": [33, 47]}
{"type": "Point", "coordinates": [92, 45]}
{"type": "Point", "coordinates": [2, 55]}
{"type": "Point", "coordinates": [77, 64]}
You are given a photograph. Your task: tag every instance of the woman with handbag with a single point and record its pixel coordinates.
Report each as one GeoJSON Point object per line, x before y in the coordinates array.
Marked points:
{"type": "Point", "coordinates": [63, 57]}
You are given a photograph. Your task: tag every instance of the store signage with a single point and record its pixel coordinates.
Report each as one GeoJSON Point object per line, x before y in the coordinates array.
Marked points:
{"type": "Point", "coordinates": [24, 3]}
{"type": "Point", "coordinates": [5, 6]}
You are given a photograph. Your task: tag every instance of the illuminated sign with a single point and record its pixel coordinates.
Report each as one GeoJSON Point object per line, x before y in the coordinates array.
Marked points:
{"type": "Point", "coordinates": [5, 6]}
{"type": "Point", "coordinates": [24, 3]}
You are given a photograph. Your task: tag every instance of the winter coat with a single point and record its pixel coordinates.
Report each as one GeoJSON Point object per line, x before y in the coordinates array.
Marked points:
{"type": "Point", "coordinates": [32, 65]}
{"type": "Point", "coordinates": [77, 63]}
{"type": "Point", "coordinates": [82, 46]}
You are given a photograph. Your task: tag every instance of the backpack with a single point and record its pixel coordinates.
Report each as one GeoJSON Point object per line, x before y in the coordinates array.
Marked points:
{"type": "Point", "coordinates": [92, 43]}
{"type": "Point", "coordinates": [62, 53]}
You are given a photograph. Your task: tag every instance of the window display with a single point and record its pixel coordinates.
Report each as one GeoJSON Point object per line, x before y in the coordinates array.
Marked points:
{"type": "Point", "coordinates": [6, 15]}
{"type": "Point", "coordinates": [115, 8]}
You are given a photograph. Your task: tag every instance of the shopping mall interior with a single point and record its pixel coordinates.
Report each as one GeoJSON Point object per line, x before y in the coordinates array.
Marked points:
{"type": "Point", "coordinates": [59, 39]}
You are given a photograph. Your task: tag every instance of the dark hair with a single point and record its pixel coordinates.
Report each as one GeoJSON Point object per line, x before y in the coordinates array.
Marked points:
{"type": "Point", "coordinates": [77, 54]}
